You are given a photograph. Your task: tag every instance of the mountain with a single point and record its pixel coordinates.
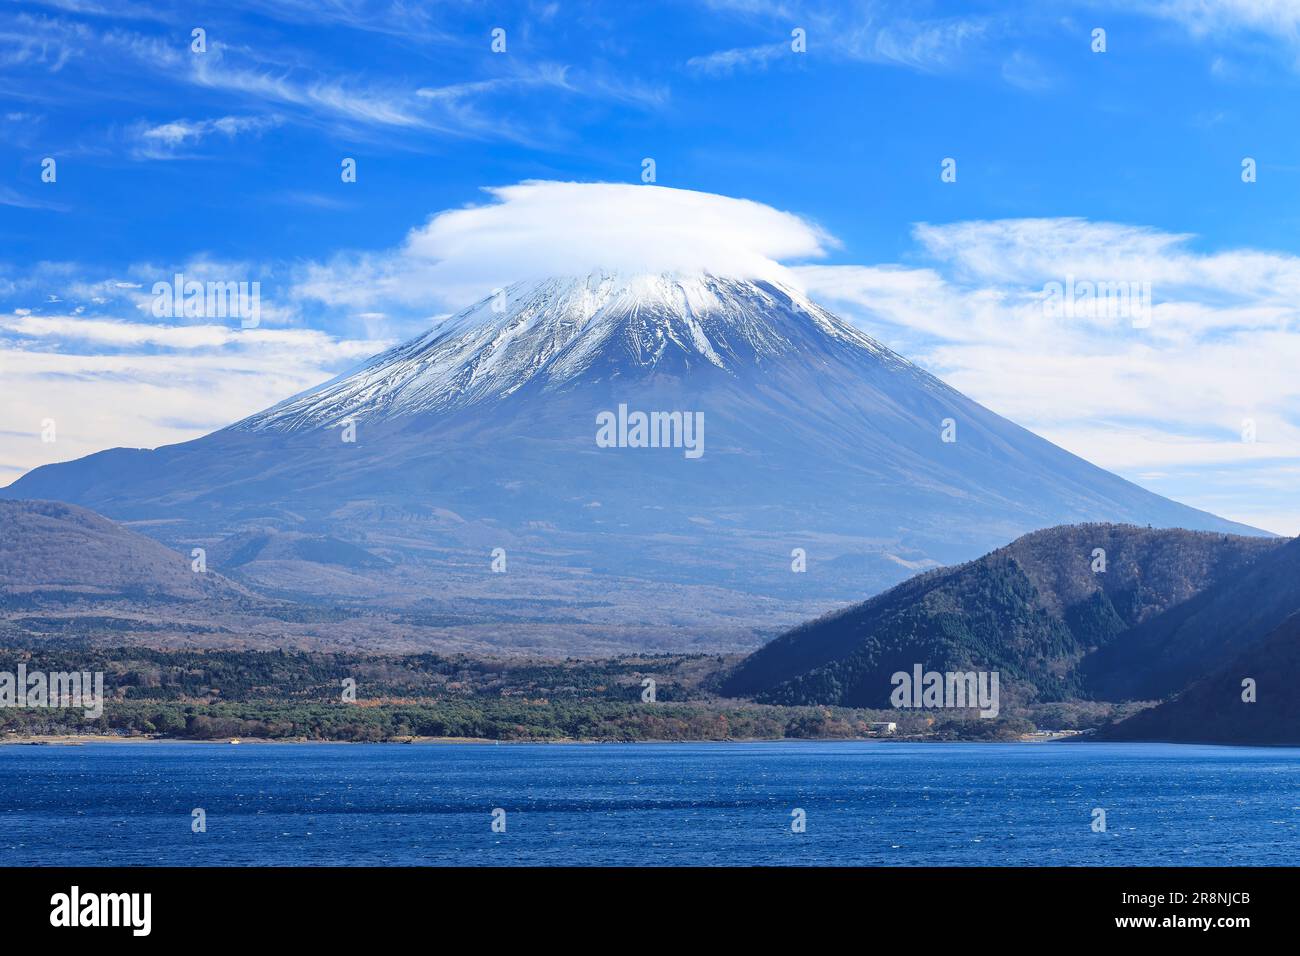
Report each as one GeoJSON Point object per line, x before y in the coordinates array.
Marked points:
{"type": "Point", "coordinates": [1165, 654]}
{"type": "Point", "coordinates": [1213, 710]}
{"type": "Point", "coordinates": [49, 548]}
{"type": "Point", "coordinates": [67, 573]}
{"type": "Point", "coordinates": [489, 432]}
{"type": "Point", "coordinates": [1034, 611]}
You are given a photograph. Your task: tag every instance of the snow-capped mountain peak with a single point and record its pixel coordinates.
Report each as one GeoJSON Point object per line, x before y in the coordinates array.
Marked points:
{"type": "Point", "coordinates": [553, 332]}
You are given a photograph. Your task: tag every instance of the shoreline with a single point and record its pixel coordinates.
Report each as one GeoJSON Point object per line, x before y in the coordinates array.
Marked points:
{"type": "Point", "coordinates": [72, 740]}
{"type": "Point", "coordinates": [77, 740]}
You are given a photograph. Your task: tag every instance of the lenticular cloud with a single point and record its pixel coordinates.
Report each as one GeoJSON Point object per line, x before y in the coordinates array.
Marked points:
{"type": "Point", "coordinates": [535, 230]}
{"type": "Point", "coordinates": [539, 229]}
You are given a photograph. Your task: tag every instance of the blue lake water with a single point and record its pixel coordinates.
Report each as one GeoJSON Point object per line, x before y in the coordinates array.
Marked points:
{"type": "Point", "coordinates": [649, 804]}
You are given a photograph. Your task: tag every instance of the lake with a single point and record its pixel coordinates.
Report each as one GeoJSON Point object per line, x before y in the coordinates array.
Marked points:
{"type": "Point", "coordinates": [865, 803]}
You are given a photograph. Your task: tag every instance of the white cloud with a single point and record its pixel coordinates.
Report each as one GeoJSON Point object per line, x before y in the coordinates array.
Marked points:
{"type": "Point", "coordinates": [928, 45]}
{"type": "Point", "coordinates": [348, 101]}
{"type": "Point", "coordinates": [1166, 399]}
{"type": "Point", "coordinates": [1278, 18]}
{"type": "Point", "coordinates": [167, 140]}
{"type": "Point", "coordinates": [1036, 250]}
{"type": "Point", "coordinates": [400, 19]}
{"type": "Point", "coordinates": [740, 58]}
{"type": "Point", "coordinates": [538, 229]}
{"type": "Point", "coordinates": [1026, 72]}
{"type": "Point", "coordinates": [492, 98]}
{"type": "Point", "coordinates": [117, 334]}
{"type": "Point", "coordinates": [878, 33]}
{"type": "Point", "coordinates": [87, 352]}
{"type": "Point", "coordinates": [12, 197]}
{"type": "Point", "coordinates": [553, 76]}
{"type": "Point", "coordinates": [109, 383]}
{"type": "Point", "coordinates": [36, 42]}
{"type": "Point", "coordinates": [1251, 32]}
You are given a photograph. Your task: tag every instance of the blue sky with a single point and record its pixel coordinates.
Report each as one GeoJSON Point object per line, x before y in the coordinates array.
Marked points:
{"type": "Point", "coordinates": [1122, 165]}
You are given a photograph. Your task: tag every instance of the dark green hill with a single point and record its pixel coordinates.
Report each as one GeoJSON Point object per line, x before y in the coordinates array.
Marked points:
{"type": "Point", "coordinates": [1166, 653]}
{"type": "Point", "coordinates": [1213, 711]}
{"type": "Point", "coordinates": [1031, 611]}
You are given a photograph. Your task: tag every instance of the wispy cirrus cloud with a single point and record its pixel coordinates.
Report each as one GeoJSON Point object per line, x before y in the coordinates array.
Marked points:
{"type": "Point", "coordinates": [1237, 33]}
{"type": "Point", "coordinates": [1276, 18]}
{"type": "Point", "coordinates": [42, 43]}
{"type": "Point", "coordinates": [889, 33]}
{"type": "Point", "coordinates": [1022, 70]}
{"type": "Point", "coordinates": [265, 77]}
{"type": "Point", "coordinates": [764, 8]}
{"type": "Point", "coordinates": [397, 18]}
{"type": "Point", "coordinates": [925, 45]}
{"type": "Point", "coordinates": [243, 71]}
{"type": "Point", "coordinates": [458, 99]}
{"type": "Point", "coordinates": [115, 9]}
{"type": "Point", "coordinates": [24, 200]}
{"type": "Point", "coordinates": [870, 33]}
{"type": "Point", "coordinates": [175, 138]}
{"type": "Point", "coordinates": [332, 97]}
{"type": "Point", "coordinates": [740, 58]}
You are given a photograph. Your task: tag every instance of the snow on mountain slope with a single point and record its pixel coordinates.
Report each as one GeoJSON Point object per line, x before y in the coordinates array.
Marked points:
{"type": "Point", "coordinates": [554, 332]}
